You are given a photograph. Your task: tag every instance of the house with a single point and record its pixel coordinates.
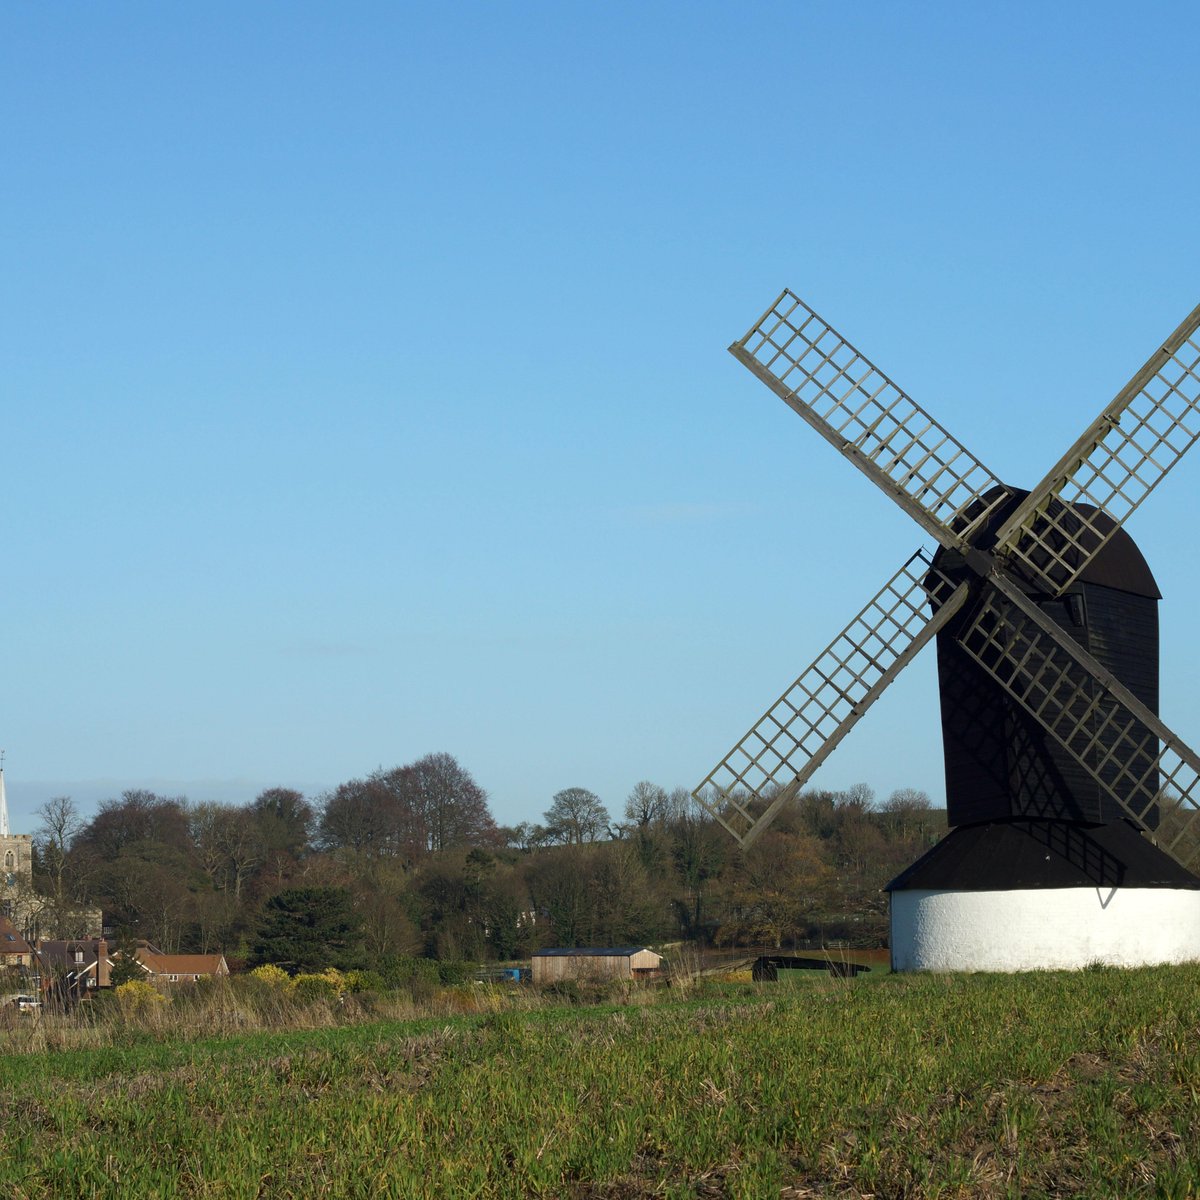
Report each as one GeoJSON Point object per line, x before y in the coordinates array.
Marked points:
{"type": "Point", "coordinates": [595, 962]}
{"type": "Point", "coordinates": [15, 951]}
{"type": "Point", "coordinates": [178, 968]}
{"type": "Point", "coordinates": [74, 968]}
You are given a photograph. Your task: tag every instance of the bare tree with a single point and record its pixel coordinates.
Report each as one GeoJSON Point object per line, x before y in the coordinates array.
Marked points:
{"type": "Point", "coordinates": [647, 804]}
{"type": "Point", "coordinates": [410, 812]}
{"type": "Point", "coordinates": [576, 816]}
{"type": "Point", "coordinates": [906, 810]}
{"type": "Point", "coordinates": [60, 824]}
{"type": "Point", "coordinates": [907, 800]}
{"type": "Point", "coordinates": [229, 843]}
{"type": "Point", "coordinates": [453, 805]}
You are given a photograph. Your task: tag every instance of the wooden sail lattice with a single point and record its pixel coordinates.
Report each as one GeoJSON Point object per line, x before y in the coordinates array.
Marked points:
{"type": "Point", "coordinates": [1119, 460]}
{"type": "Point", "coordinates": [795, 735]}
{"type": "Point", "coordinates": [870, 419]}
{"type": "Point", "coordinates": [1151, 773]}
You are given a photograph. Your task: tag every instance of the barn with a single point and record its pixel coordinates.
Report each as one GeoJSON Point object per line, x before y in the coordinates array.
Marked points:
{"type": "Point", "coordinates": [595, 962]}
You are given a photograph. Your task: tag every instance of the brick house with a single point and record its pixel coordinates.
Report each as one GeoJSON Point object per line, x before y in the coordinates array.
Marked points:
{"type": "Point", "coordinates": [74, 968]}
{"type": "Point", "coordinates": [178, 968]}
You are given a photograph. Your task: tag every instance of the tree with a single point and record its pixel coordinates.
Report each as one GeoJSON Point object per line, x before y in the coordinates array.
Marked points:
{"type": "Point", "coordinates": [859, 796]}
{"type": "Point", "coordinates": [285, 822]}
{"type": "Point", "coordinates": [410, 812]}
{"type": "Point", "coordinates": [139, 816]}
{"type": "Point", "coordinates": [143, 863]}
{"type": "Point", "coordinates": [523, 836]}
{"type": "Point", "coordinates": [452, 805]}
{"type": "Point", "coordinates": [647, 809]}
{"type": "Point", "coordinates": [125, 967]}
{"type": "Point", "coordinates": [558, 890]}
{"type": "Point", "coordinates": [61, 823]}
{"type": "Point", "coordinates": [646, 804]}
{"type": "Point", "coordinates": [216, 922]}
{"type": "Point", "coordinates": [228, 842]}
{"type": "Point", "coordinates": [510, 930]}
{"type": "Point", "coordinates": [576, 816]}
{"type": "Point", "coordinates": [906, 809]}
{"type": "Point", "coordinates": [307, 929]}
{"type": "Point", "coordinates": [698, 849]}
{"type": "Point", "coordinates": [624, 908]}
{"type": "Point", "coordinates": [386, 925]}
{"type": "Point", "coordinates": [776, 889]}
{"type": "Point", "coordinates": [374, 816]}
{"type": "Point", "coordinates": [454, 892]}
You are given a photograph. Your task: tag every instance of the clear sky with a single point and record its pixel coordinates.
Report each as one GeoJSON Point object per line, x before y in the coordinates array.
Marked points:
{"type": "Point", "coordinates": [364, 383]}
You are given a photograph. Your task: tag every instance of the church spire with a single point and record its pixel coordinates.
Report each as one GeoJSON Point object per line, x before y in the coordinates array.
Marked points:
{"type": "Point", "coordinates": [3, 801]}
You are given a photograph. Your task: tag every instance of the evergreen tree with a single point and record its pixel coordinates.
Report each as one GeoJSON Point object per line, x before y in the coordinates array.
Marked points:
{"type": "Point", "coordinates": [308, 929]}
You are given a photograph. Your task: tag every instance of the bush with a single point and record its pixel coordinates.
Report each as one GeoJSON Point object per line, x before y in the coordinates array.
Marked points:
{"type": "Point", "coordinates": [454, 974]}
{"type": "Point", "coordinates": [358, 982]}
{"type": "Point", "coordinates": [566, 990]}
{"type": "Point", "coordinates": [271, 975]}
{"type": "Point", "coordinates": [328, 985]}
{"type": "Point", "coordinates": [138, 996]}
{"type": "Point", "coordinates": [417, 976]}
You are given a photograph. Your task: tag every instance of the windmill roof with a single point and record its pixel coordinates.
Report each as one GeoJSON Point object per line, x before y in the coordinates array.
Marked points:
{"type": "Point", "coordinates": [1119, 564]}
{"type": "Point", "coordinates": [1006, 855]}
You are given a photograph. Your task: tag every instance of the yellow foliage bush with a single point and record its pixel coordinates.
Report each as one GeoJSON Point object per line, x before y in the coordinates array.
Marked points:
{"type": "Point", "coordinates": [336, 979]}
{"type": "Point", "coordinates": [137, 994]}
{"type": "Point", "coordinates": [326, 985]}
{"type": "Point", "coordinates": [272, 975]}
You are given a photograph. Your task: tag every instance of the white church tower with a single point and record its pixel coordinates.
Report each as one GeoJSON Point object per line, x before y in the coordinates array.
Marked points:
{"type": "Point", "coordinates": [16, 855]}
{"type": "Point", "coordinates": [26, 909]}
{"type": "Point", "coordinates": [3, 801]}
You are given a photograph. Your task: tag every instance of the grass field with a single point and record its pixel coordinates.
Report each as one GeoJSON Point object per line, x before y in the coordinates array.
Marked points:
{"type": "Point", "coordinates": [1082, 1084]}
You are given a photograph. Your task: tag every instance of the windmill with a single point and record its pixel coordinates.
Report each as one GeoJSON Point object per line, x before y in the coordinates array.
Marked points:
{"type": "Point", "coordinates": [1073, 807]}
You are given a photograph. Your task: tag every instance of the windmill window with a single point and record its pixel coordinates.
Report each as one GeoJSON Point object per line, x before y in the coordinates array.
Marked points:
{"type": "Point", "coordinates": [79, 956]}
{"type": "Point", "coordinates": [9, 860]}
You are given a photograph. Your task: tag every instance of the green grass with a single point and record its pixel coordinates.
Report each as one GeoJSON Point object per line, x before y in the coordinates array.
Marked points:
{"type": "Point", "coordinates": [1083, 1084]}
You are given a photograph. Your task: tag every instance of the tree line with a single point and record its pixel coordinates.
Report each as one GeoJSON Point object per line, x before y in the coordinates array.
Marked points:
{"type": "Point", "coordinates": [409, 862]}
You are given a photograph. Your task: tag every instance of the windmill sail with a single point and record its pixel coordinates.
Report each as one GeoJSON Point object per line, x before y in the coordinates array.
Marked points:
{"type": "Point", "coordinates": [797, 733]}
{"type": "Point", "coordinates": [1150, 773]}
{"type": "Point", "coordinates": [1116, 463]}
{"type": "Point", "coordinates": [871, 420]}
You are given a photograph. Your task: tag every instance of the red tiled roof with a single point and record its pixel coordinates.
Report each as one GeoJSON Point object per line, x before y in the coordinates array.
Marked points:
{"type": "Point", "coordinates": [182, 964]}
{"type": "Point", "coordinates": [11, 942]}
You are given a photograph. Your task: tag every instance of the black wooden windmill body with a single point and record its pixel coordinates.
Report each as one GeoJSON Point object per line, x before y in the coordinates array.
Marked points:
{"type": "Point", "coordinates": [1059, 772]}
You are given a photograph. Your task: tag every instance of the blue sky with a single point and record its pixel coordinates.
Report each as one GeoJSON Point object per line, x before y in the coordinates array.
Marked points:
{"type": "Point", "coordinates": [365, 390]}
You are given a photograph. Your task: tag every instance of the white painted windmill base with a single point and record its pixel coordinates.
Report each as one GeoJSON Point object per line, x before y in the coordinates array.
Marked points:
{"type": "Point", "coordinates": [1038, 929]}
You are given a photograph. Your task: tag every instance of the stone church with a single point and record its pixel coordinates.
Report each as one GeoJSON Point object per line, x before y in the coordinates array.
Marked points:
{"type": "Point", "coordinates": [32, 914]}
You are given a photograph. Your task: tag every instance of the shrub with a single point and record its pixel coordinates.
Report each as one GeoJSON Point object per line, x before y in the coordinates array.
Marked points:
{"type": "Point", "coordinates": [418, 976]}
{"type": "Point", "coordinates": [318, 987]}
{"type": "Point", "coordinates": [358, 982]}
{"type": "Point", "coordinates": [136, 995]}
{"type": "Point", "coordinates": [454, 974]}
{"type": "Point", "coordinates": [564, 990]}
{"type": "Point", "coordinates": [271, 975]}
